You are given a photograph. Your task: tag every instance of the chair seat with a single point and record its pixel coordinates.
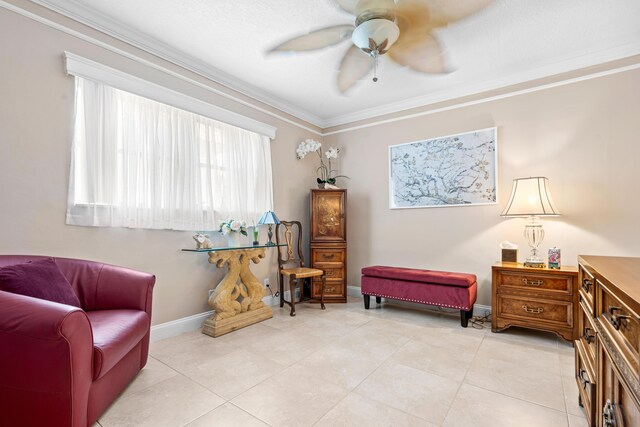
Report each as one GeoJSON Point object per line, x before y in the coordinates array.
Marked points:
{"type": "Point", "coordinates": [115, 333]}
{"type": "Point", "coordinates": [302, 272]}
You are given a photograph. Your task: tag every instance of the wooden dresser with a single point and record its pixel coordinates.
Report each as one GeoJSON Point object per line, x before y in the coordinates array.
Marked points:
{"type": "Point", "coordinates": [608, 348]}
{"type": "Point", "coordinates": [535, 298]}
{"type": "Point", "coordinates": [328, 243]}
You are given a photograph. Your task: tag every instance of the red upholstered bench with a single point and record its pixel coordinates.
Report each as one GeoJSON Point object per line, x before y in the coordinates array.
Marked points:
{"type": "Point", "coordinates": [441, 288]}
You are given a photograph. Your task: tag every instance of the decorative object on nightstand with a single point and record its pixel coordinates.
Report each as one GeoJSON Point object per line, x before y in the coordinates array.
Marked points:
{"type": "Point", "coordinates": [554, 258]}
{"type": "Point", "coordinates": [328, 243]}
{"type": "Point", "coordinates": [269, 218]}
{"type": "Point", "coordinates": [509, 251]}
{"type": "Point", "coordinates": [531, 197]}
{"type": "Point", "coordinates": [535, 298]}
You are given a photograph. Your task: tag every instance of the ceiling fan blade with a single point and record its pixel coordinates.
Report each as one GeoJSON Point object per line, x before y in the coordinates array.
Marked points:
{"type": "Point", "coordinates": [443, 12]}
{"type": "Point", "coordinates": [347, 5]}
{"type": "Point", "coordinates": [317, 39]}
{"type": "Point", "coordinates": [423, 54]}
{"type": "Point", "coordinates": [354, 66]}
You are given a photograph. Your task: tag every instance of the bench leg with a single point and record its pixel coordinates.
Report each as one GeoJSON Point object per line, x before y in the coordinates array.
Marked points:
{"type": "Point", "coordinates": [378, 300]}
{"type": "Point", "coordinates": [465, 316]}
{"type": "Point", "coordinates": [367, 301]}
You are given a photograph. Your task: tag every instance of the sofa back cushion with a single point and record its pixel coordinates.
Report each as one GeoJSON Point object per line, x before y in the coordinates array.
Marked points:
{"type": "Point", "coordinates": [40, 278]}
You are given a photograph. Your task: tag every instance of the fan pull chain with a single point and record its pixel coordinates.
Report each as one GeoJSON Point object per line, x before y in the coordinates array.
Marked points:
{"type": "Point", "coordinates": [374, 55]}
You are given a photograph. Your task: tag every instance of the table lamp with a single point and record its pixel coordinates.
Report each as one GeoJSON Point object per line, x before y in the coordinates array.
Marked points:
{"type": "Point", "coordinates": [269, 218]}
{"type": "Point", "coordinates": [531, 197]}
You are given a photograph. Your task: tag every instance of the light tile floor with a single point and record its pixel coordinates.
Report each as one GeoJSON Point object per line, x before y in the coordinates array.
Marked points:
{"type": "Point", "coordinates": [346, 366]}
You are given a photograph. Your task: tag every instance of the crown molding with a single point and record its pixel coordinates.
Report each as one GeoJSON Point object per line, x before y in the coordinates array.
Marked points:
{"type": "Point", "coordinates": [108, 26]}
{"type": "Point", "coordinates": [115, 29]}
{"type": "Point", "coordinates": [483, 100]}
{"type": "Point", "coordinates": [554, 68]}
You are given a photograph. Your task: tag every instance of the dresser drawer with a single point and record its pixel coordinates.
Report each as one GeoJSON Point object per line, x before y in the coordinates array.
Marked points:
{"type": "Point", "coordinates": [322, 255]}
{"type": "Point", "coordinates": [544, 283]}
{"type": "Point", "coordinates": [536, 311]}
{"type": "Point", "coordinates": [587, 333]}
{"type": "Point", "coordinates": [587, 285]}
{"type": "Point", "coordinates": [617, 405]}
{"type": "Point", "coordinates": [620, 324]}
{"type": "Point", "coordinates": [585, 378]}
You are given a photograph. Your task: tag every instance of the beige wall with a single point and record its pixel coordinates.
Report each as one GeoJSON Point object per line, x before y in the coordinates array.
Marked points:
{"type": "Point", "coordinates": [36, 106]}
{"type": "Point", "coordinates": [582, 136]}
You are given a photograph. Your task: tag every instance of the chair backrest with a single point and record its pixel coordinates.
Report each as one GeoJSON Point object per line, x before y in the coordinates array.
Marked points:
{"type": "Point", "coordinates": [289, 233]}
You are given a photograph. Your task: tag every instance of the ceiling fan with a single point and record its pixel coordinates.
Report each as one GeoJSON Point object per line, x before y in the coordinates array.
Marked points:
{"type": "Point", "coordinates": [403, 30]}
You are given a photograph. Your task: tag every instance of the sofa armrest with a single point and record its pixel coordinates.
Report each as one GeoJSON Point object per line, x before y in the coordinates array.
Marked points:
{"type": "Point", "coordinates": [46, 352]}
{"type": "Point", "coordinates": [123, 288]}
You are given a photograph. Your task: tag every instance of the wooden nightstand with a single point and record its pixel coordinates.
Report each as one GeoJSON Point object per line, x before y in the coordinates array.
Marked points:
{"type": "Point", "coordinates": [535, 298]}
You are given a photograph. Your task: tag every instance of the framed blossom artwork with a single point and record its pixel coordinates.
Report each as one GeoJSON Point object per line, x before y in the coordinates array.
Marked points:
{"type": "Point", "coordinates": [455, 170]}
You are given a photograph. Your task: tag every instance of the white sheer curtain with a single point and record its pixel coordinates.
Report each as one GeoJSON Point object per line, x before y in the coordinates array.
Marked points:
{"type": "Point", "coordinates": [143, 164]}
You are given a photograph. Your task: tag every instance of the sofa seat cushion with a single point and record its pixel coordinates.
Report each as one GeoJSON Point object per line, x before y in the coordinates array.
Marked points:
{"type": "Point", "coordinates": [425, 276]}
{"type": "Point", "coordinates": [40, 278]}
{"type": "Point", "coordinates": [115, 333]}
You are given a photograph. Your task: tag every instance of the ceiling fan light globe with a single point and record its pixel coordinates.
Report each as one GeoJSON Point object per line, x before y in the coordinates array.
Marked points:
{"type": "Point", "coordinates": [378, 30]}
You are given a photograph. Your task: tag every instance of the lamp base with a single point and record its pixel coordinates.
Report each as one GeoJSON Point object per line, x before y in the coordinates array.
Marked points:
{"type": "Point", "coordinates": [534, 262]}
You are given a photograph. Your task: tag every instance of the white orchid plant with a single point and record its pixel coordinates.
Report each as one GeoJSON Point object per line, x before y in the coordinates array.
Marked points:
{"type": "Point", "coordinates": [233, 226]}
{"type": "Point", "coordinates": [325, 173]}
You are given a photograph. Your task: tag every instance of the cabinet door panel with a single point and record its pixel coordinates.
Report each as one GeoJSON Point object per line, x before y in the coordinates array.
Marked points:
{"type": "Point", "coordinates": [328, 216]}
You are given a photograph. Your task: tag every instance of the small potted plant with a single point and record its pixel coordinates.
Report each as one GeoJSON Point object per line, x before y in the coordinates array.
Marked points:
{"type": "Point", "coordinates": [326, 175]}
{"type": "Point", "coordinates": [232, 229]}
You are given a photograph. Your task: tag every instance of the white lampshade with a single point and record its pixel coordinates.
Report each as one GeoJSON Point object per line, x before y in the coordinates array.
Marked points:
{"type": "Point", "coordinates": [377, 29]}
{"type": "Point", "coordinates": [530, 196]}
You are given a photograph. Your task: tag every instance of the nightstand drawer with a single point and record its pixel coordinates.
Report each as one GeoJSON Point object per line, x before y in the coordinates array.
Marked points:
{"type": "Point", "coordinates": [552, 284]}
{"type": "Point", "coordinates": [536, 311]}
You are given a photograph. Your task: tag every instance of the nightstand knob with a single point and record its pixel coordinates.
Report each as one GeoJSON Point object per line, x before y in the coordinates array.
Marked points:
{"type": "Point", "coordinates": [586, 284]}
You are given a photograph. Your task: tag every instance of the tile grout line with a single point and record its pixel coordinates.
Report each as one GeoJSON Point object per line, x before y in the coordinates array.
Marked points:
{"type": "Point", "coordinates": [462, 382]}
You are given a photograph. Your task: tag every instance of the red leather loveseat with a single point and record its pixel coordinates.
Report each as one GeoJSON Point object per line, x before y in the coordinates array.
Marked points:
{"type": "Point", "coordinates": [62, 365]}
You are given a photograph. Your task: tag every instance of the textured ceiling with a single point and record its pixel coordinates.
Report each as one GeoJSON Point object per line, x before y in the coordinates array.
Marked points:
{"type": "Point", "coordinates": [507, 43]}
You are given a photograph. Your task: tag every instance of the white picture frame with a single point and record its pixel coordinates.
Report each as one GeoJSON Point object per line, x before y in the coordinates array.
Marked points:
{"type": "Point", "coordinates": [452, 170]}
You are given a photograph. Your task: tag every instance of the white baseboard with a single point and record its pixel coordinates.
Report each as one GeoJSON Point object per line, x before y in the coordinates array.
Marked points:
{"type": "Point", "coordinates": [189, 323]}
{"type": "Point", "coordinates": [194, 322]}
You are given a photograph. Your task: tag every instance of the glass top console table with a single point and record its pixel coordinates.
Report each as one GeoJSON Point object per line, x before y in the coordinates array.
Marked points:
{"type": "Point", "coordinates": [237, 299]}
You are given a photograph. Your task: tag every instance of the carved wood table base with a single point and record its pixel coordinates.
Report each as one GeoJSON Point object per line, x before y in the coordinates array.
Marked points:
{"type": "Point", "coordinates": [237, 299]}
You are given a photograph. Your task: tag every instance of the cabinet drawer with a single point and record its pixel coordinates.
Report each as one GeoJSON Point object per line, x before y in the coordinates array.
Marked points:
{"type": "Point", "coordinates": [332, 289]}
{"type": "Point", "coordinates": [536, 311]}
{"type": "Point", "coordinates": [554, 284]}
{"type": "Point", "coordinates": [587, 285]}
{"type": "Point", "coordinates": [585, 378]}
{"type": "Point", "coordinates": [617, 406]}
{"type": "Point", "coordinates": [327, 255]}
{"type": "Point", "coordinates": [620, 324]}
{"type": "Point", "coordinates": [587, 333]}
{"type": "Point", "coordinates": [331, 271]}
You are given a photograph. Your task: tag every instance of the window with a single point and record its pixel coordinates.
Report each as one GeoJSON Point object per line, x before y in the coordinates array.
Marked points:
{"type": "Point", "coordinates": [140, 163]}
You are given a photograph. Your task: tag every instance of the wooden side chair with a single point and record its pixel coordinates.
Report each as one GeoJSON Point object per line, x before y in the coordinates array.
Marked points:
{"type": "Point", "coordinates": [291, 264]}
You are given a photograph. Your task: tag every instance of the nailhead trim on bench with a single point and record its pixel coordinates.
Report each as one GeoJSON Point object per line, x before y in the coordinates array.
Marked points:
{"type": "Point", "coordinates": [421, 302]}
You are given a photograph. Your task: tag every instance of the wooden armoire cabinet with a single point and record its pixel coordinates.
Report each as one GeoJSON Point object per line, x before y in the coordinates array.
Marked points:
{"type": "Point", "coordinates": [328, 243]}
